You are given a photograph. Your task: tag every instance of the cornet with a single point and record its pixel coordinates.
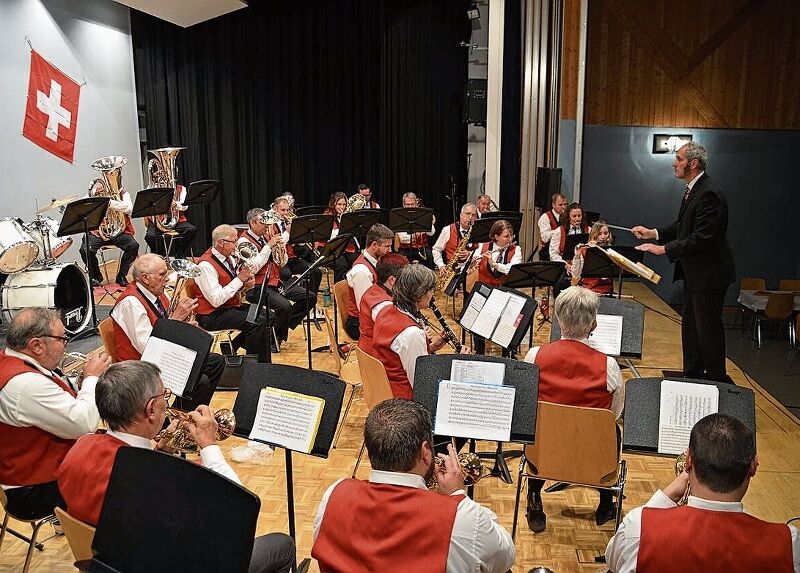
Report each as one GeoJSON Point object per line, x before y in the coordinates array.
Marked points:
{"type": "Point", "coordinates": [181, 441]}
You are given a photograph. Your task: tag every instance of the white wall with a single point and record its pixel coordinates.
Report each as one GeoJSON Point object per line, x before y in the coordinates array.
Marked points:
{"type": "Point", "coordinates": [478, 68]}
{"type": "Point", "coordinates": [90, 41]}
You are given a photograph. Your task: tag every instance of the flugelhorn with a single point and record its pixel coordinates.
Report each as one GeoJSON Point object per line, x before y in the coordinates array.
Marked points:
{"type": "Point", "coordinates": [185, 269]}
{"type": "Point", "coordinates": [279, 255]}
{"type": "Point", "coordinates": [181, 441]}
{"type": "Point", "coordinates": [471, 467]}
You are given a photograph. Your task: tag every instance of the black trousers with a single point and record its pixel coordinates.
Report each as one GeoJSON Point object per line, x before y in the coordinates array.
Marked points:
{"type": "Point", "coordinates": [290, 308]}
{"type": "Point", "coordinates": [297, 266]}
{"type": "Point", "coordinates": [413, 255]}
{"type": "Point", "coordinates": [353, 327]}
{"type": "Point", "coordinates": [272, 553]}
{"type": "Point", "coordinates": [703, 335]}
{"type": "Point", "coordinates": [253, 337]}
{"type": "Point", "coordinates": [342, 265]}
{"type": "Point", "coordinates": [181, 244]}
{"type": "Point", "coordinates": [207, 385]}
{"type": "Point", "coordinates": [34, 501]}
{"type": "Point", "coordinates": [126, 243]}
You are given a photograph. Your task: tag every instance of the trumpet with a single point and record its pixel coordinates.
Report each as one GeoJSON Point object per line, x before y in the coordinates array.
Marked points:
{"type": "Point", "coordinates": [471, 467]}
{"type": "Point", "coordinates": [185, 269]}
{"type": "Point", "coordinates": [181, 441]}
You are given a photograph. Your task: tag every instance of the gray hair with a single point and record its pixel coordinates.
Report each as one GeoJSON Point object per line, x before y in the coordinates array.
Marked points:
{"type": "Point", "coordinates": [145, 264]}
{"type": "Point", "coordinates": [221, 232]}
{"type": "Point", "coordinates": [123, 390]}
{"type": "Point", "coordinates": [469, 206]}
{"type": "Point", "coordinates": [394, 432]}
{"type": "Point", "coordinates": [576, 310]}
{"type": "Point", "coordinates": [254, 214]}
{"type": "Point", "coordinates": [28, 324]}
{"type": "Point", "coordinates": [281, 199]}
{"type": "Point", "coordinates": [696, 151]}
{"type": "Point", "coordinates": [412, 283]}
{"type": "Point", "coordinates": [410, 195]}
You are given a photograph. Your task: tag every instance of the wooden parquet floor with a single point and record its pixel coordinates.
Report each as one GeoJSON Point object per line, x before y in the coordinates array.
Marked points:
{"type": "Point", "coordinates": [571, 541]}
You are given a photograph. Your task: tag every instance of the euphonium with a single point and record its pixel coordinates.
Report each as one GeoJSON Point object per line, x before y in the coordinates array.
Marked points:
{"type": "Point", "coordinates": [471, 466]}
{"type": "Point", "coordinates": [163, 173]}
{"type": "Point", "coordinates": [355, 202]}
{"type": "Point", "coordinates": [279, 255]}
{"type": "Point", "coordinates": [180, 440]}
{"type": "Point", "coordinates": [185, 269]}
{"type": "Point", "coordinates": [110, 169]}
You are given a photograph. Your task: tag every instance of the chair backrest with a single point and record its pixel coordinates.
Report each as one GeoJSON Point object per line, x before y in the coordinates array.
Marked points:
{"type": "Point", "coordinates": [373, 375]}
{"type": "Point", "coordinates": [341, 291]}
{"type": "Point", "coordinates": [79, 535]}
{"type": "Point", "coordinates": [789, 284]}
{"type": "Point", "coordinates": [575, 444]}
{"type": "Point", "coordinates": [753, 283]}
{"type": "Point", "coordinates": [332, 341]}
{"type": "Point", "coordinates": [779, 306]}
{"type": "Point", "coordinates": [106, 328]}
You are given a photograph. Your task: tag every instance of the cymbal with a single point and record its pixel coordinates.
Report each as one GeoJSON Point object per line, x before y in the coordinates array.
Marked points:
{"type": "Point", "coordinates": [58, 203]}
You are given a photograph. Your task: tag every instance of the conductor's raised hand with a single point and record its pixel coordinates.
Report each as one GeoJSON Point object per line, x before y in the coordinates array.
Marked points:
{"type": "Point", "coordinates": [641, 232]}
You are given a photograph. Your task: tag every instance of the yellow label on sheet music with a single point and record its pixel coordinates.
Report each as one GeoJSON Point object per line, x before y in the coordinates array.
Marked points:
{"type": "Point", "coordinates": [287, 419]}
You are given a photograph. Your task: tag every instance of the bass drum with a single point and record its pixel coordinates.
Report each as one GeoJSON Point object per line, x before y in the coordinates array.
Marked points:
{"type": "Point", "coordinates": [64, 287]}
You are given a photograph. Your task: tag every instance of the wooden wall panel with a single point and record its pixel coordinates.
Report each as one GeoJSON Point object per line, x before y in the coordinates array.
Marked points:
{"type": "Point", "coordinates": [569, 58]}
{"type": "Point", "coordinates": [700, 63]}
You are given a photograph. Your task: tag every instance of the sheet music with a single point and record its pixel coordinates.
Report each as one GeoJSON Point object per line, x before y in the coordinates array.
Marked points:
{"type": "Point", "coordinates": [473, 310]}
{"type": "Point", "coordinates": [682, 405]}
{"type": "Point", "coordinates": [607, 337]}
{"type": "Point", "coordinates": [509, 320]}
{"type": "Point", "coordinates": [477, 411]}
{"type": "Point", "coordinates": [475, 371]}
{"type": "Point", "coordinates": [174, 361]}
{"type": "Point", "coordinates": [287, 419]}
{"type": "Point", "coordinates": [490, 313]}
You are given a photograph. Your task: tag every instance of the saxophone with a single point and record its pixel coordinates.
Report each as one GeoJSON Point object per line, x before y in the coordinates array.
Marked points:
{"type": "Point", "coordinates": [450, 271]}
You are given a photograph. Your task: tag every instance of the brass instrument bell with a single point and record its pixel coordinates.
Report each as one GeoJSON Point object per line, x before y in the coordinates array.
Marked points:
{"type": "Point", "coordinates": [181, 441]}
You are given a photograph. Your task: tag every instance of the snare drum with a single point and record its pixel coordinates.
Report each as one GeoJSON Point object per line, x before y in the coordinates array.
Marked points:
{"type": "Point", "coordinates": [49, 227]}
{"type": "Point", "coordinates": [64, 287]}
{"type": "Point", "coordinates": [18, 250]}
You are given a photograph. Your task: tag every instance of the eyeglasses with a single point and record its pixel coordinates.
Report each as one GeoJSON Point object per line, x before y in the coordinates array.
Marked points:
{"type": "Point", "coordinates": [63, 339]}
{"type": "Point", "coordinates": [228, 240]}
{"type": "Point", "coordinates": [166, 394]}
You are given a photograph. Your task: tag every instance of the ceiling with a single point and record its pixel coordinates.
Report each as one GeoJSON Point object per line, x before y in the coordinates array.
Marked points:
{"type": "Point", "coordinates": [185, 13]}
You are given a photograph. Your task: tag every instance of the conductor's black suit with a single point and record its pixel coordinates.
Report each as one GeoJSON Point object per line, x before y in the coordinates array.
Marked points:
{"type": "Point", "coordinates": [698, 245]}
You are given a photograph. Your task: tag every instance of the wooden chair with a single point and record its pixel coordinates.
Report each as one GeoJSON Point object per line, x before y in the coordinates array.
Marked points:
{"type": "Point", "coordinates": [789, 284]}
{"type": "Point", "coordinates": [376, 387]}
{"type": "Point", "coordinates": [227, 334]}
{"type": "Point", "coordinates": [79, 535]}
{"type": "Point", "coordinates": [106, 328]}
{"type": "Point", "coordinates": [35, 524]}
{"type": "Point", "coordinates": [346, 370]}
{"type": "Point", "coordinates": [341, 292]}
{"type": "Point", "coordinates": [749, 283]}
{"type": "Point", "coordinates": [574, 445]}
{"type": "Point", "coordinates": [780, 307]}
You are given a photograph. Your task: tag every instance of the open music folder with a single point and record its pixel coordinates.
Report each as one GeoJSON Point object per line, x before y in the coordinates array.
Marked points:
{"type": "Point", "coordinates": [497, 314]}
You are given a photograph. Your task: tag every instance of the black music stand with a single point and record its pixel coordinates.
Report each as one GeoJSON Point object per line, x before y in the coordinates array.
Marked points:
{"type": "Point", "coordinates": [294, 379]}
{"type": "Point", "coordinates": [145, 518]}
{"type": "Point", "coordinates": [513, 217]}
{"type": "Point", "coordinates": [83, 216]}
{"type": "Point", "coordinates": [632, 314]}
{"type": "Point", "coordinates": [310, 210]}
{"type": "Point", "coordinates": [254, 310]}
{"type": "Point", "coordinates": [572, 242]}
{"type": "Point", "coordinates": [431, 369]}
{"type": "Point", "coordinates": [333, 250]}
{"type": "Point", "coordinates": [411, 220]}
{"type": "Point", "coordinates": [203, 193]}
{"type": "Point", "coordinates": [358, 223]}
{"type": "Point", "coordinates": [597, 264]}
{"type": "Point", "coordinates": [188, 336]}
{"type": "Point", "coordinates": [532, 275]}
{"type": "Point", "coordinates": [152, 202]}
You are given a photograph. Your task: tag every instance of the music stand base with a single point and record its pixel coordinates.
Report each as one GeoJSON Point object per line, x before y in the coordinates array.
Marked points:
{"type": "Point", "coordinates": [500, 468]}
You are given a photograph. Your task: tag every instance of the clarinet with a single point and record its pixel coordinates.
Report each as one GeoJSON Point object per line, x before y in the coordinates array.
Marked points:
{"type": "Point", "coordinates": [452, 339]}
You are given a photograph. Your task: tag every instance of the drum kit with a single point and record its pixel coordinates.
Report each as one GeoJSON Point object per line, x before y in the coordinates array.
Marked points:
{"type": "Point", "coordinates": [33, 278]}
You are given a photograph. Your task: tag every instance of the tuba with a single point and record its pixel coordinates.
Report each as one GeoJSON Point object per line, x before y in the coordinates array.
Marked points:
{"type": "Point", "coordinates": [185, 269]}
{"type": "Point", "coordinates": [110, 169]}
{"type": "Point", "coordinates": [180, 440]}
{"type": "Point", "coordinates": [355, 202]}
{"type": "Point", "coordinates": [279, 255]}
{"type": "Point", "coordinates": [163, 172]}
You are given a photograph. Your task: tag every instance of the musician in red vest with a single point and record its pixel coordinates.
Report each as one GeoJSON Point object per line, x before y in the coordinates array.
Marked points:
{"type": "Point", "coordinates": [366, 193]}
{"type": "Point", "coordinates": [599, 236]}
{"type": "Point", "coordinates": [711, 532]}
{"type": "Point", "coordinates": [571, 224]}
{"type": "Point", "coordinates": [378, 296]}
{"type": "Point", "coordinates": [393, 522]}
{"type": "Point", "coordinates": [337, 206]}
{"type": "Point", "coordinates": [300, 256]}
{"type": "Point", "coordinates": [41, 414]}
{"type": "Point", "coordinates": [132, 400]}
{"type": "Point", "coordinates": [291, 305]}
{"type": "Point", "coordinates": [415, 246]}
{"type": "Point", "coordinates": [125, 241]}
{"type": "Point", "coordinates": [137, 310]}
{"type": "Point", "coordinates": [363, 274]}
{"type": "Point", "coordinates": [549, 222]}
{"type": "Point", "coordinates": [450, 237]}
{"type": "Point", "coordinates": [573, 373]}
{"type": "Point", "coordinates": [218, 294]}
{"type": "Point", "coordinates": [182, 242]}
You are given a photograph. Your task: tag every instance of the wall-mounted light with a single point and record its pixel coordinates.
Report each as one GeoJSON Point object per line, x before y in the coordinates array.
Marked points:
{"type": "Point", "coordinates": [670, 143]}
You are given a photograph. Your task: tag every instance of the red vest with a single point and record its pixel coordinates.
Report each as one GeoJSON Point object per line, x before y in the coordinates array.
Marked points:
{"type": "Point", "coordinates": [596, 284]}
{"type": "Point", "coordinates": [391, 322]}
{"type": "Point", "coordinates": [553, 220]}
{"type": "Point", "coordinates": [375, 294]}
{"type": "Point", "coordinates": [350, 248]}
{"type": "Point", "coordinates": [225, 277]}
{"type": "Point", "coordinates": [693, 539]}
{"type": "Point", "coordinates": [371, 527]}
{"type": "Point", "coordinates": [562, 245]}
{"type": "Point", "coordinates": [352, 309]}
{"type": "Point", "coordinates": [181, 193]}
{"type": "Point", "coordinates": [452, 242]}
{"type": "Point", "coordinates": [28, 455]}
{"type": "Point", "coordinates": [574, 374]}
{"type": "Point", "coordinates": [485, 274]}
{"type": "Point", "coordinates": [84, 474]}
{"type": "Point", "coordinates": [125, 348]}
{"type": "Point", "coordinates": [274, 270]}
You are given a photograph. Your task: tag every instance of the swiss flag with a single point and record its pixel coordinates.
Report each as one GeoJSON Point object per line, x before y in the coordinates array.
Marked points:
{"type": "Point", "coordinates": [51, 115]}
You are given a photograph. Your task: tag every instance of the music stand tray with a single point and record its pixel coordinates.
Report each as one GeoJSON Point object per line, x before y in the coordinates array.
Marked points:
{"type": "Point", "coordinates": [534, 274]}
{"type": "Point", "coordinates": [411, 220]}
{"type": "Point", "coordinates": [89, 210]}
{"type": "Point", "coordinates": [572, 242]}
{"type": "Point", "coordinates": [310, 229]}
{"type": "Point", "coordinates": [153, 202]}
{"type": "Point", "coordinates": [513, 217]}
{"type": "Point", "coordinates": [358, 223]}
{"type": "Point", "coordinates": [201, 192]}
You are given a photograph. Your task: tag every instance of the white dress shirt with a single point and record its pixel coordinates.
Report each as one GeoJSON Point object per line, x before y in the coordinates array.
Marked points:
{"type": "Point", "coordinates": [125, 205]}
{"type": "Point", "coordinates": [262, 257]}
{"type": "Point", "coordinates": [494, 257]}
{"type": "Point", "coordinates": [211, 456]}
{"type": "Point", "coordinates": [438, 247]}
{"type": "Point", "coordinates": [623, 548]}
{"type": "Point", "coordinates": [613, 378]}
{"type": "Point", "coordinates": [477, 543]}
{"type": "Point", "coordinates": [545, 232]}
{"type": "Point", "coordinates": [360, 277]}
{"type": "Point", "coordinates": [405, 238]}
{"type": "Point", "coordinates": [409, 345]}
{"type": "Point", "coordinates": [208, 282]}
{"type": "Point", "coordinates": [555, 242]}
{"type": "Point", "coordinates": [376, 310]}
{"type": "Point", "coordinates": [131, 316]}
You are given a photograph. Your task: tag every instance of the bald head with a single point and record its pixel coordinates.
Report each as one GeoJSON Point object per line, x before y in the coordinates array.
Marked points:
{"type": "Point", "coordinates": [31, 323]}
{"type": "Point", "coordinates": [149, 263]}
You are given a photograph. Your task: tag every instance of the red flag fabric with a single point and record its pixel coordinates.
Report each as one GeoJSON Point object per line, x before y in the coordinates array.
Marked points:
{"type": "Point", "coordinates": [51, 114]}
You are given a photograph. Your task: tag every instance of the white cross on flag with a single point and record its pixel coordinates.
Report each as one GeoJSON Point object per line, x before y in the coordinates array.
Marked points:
{"type": "Point", "coordinates": [51, 115]}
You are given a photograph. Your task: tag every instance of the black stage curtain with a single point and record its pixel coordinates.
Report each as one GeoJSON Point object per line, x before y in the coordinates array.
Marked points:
{"type": "Point", "coordinates": [310, 97]}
